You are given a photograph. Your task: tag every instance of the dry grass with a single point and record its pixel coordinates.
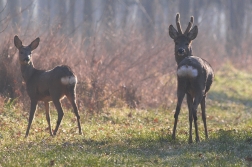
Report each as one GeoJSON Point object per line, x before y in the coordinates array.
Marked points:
{"type": "Point", "coordinates": [112, 72]}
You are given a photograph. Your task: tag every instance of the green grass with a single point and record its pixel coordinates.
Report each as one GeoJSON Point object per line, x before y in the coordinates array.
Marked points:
{"type": "Point", "coordinates": [124, 137]}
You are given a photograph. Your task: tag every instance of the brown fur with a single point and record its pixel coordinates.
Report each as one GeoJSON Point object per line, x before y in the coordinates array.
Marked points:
{"type": "Point", "coordinates": [46, 86]}
{"type": "Point", "coordinates": [195, 87]}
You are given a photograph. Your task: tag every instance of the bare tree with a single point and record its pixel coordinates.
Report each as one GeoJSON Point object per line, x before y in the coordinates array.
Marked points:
{"type": "Point", "coordinates": [44, 13]}
{"type": "Point", "coordinates": [87, 18]}
{"type": "Point", "coordinates": [15, 9]}
{"type": "Point", "coordinates": [121, 13]}
{"type": "Point", "coordinates": [70, 18]}
{"type": "Point", "coordinates": [147, 8]}
{"type": "Point", "coordinates": [235, 32]}
{"type": "Point", "coordinates": [61, 5]}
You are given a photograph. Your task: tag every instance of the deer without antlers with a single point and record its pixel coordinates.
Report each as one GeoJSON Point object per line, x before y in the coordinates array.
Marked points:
{"type": "Point", "coordinates": [194, 75]}
{"type": "Point", "coordinates": [46, 86]}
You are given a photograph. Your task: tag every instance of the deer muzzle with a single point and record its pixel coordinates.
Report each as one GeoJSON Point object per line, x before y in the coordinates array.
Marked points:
{"type": "Point", "coordinates": [27, 59]}
{"type": "Point", "coordinates": [181, 51]}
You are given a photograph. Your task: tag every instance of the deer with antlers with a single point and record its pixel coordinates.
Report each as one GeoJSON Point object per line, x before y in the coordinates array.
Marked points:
{"type": "Point", "coordinates": [46, 86]}
{"type": "Point", "coordinates": [194, 75]}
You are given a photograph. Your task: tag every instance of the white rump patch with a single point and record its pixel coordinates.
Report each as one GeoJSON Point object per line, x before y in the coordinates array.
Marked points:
{"type": "Point", "coordinates": [69, 80]}
{"type": "Point", "coordinates": [187, 71]}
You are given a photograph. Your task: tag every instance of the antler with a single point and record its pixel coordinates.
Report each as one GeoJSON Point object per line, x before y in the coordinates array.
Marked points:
{"type": "Point", "coordinates": [178, 24]}
{"type": "Point", "coordinates": [189, 26]}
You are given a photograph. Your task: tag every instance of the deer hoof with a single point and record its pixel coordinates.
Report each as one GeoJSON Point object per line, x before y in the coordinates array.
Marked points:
{"type": "Point", "coordinates": [190, 140]}
{"type": "Point", "coordinates": [173, 137]}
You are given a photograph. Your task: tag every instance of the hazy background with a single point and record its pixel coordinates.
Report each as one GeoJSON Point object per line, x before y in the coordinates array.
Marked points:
{"type": "Point", "coordinates": [120, 50]}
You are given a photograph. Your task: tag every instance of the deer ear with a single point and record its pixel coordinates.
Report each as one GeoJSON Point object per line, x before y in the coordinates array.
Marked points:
{"type": "Point", "coordinates": [173, 32]}
{"type": "Point", "coordinates": [17, 42]}
{"type": "Point", "coordinates": [193, 33]}
{"type": "Point", "coordinates": [34, 44]}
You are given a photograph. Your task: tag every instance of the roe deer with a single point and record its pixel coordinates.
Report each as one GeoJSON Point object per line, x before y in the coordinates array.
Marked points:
{"type": "Point", "coordinates": [194, 75]}
{"type": "Point", "coordinates": [46, 86]}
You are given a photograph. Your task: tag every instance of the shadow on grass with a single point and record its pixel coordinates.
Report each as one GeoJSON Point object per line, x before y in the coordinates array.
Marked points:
{"type": "Point", "coordinates": [222, 96]}
{"type": "Point", "coordinates": [223, 148]}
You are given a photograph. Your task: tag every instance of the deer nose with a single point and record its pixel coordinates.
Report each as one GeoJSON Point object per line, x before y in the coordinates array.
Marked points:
{"type": "Point", "coordinates": [181, 51]}
{"type": "Point", "coordinates": [27, 58]}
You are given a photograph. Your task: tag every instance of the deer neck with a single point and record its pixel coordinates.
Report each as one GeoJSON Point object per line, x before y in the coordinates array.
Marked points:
{"type": "Point", "coordinates": [27, 70]}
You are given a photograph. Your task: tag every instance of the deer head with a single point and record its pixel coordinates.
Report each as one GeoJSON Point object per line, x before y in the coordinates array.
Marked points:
{"type": "Point", "coordinates": [183, 41]}
{"type": "Point", "coordinates": [25, 51]}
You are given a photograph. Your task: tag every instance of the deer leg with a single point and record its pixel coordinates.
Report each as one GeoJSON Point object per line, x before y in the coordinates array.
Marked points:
{"type": "Point", "coordinates": [31, 116]}
{"type": "Point", "coordinates": [60, 114]}
{"type": "Point", "coordinates": [48, 117]}
{"type": "Point", "coordinates": [203, 109]}
{"type": "Point", "coordinates": [71, 98]}
{"type": "Point", "coordinates": [197, 100]}
{"type": "Point", "coordinates": [180, 94]}
{"type": "Point", "coordinates": [190, 104]}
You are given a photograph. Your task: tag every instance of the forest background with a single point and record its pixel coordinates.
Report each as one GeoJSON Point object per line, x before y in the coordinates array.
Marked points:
{"type": "Point", "coordinates": [120, 50]}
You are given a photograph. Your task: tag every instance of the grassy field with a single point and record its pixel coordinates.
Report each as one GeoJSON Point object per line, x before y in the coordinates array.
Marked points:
{"type": "Point", "coordinates": [124, 137]}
